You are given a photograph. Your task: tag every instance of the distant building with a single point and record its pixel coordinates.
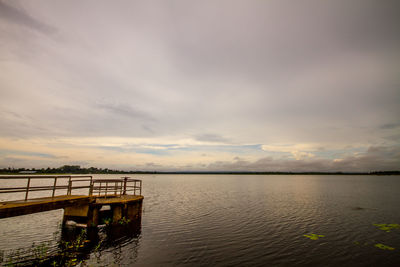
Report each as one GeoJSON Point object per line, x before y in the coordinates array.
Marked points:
{"type": "Point", "coordinates": [27, 172]}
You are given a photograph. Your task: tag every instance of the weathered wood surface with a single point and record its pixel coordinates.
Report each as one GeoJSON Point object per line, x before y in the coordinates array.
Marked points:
{"type": "Point", "coordinates": [21, 207]}
{"type": "Point", "coordinates": [123, 199]}
{"type": "Point", "coordinates": [16, 208]}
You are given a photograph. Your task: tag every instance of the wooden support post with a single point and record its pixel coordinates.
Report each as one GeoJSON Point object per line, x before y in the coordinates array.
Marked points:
{"type": "Point", "coordinates": [27, 188]}
{"type": "Point", "coordinates": [93, 217]}
{"type": "Point", "coordinates": [133, 211]}
{"type": "Point", "coordinates": [117, 213]}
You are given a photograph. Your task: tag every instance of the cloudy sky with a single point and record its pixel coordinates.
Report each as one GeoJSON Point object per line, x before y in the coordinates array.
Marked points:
{"type": "Point", "coordinates": [268, 85]}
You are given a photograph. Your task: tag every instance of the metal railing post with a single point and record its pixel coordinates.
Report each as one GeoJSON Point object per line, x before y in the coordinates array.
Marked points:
{"type": "Point", "coordinates": [54, 186]}
{"type": "Point", "coordinates": [91, 186]}
{"type": "Point", "coordinates": [125, 181]}
{"type": "Point", "coordinates": [101, 187]}
{"type": "Point", "coordinates": [27, 188]}
{"type": "Point", "coordinates": [51, 189]}
{"type": "Point", "coordinates": [134, 188]}
{"type": "Point", "coordinates": [69, 186]}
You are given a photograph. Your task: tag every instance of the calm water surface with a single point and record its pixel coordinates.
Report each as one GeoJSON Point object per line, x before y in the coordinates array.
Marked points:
{"type": "Point", "coordinates": [242, 220]}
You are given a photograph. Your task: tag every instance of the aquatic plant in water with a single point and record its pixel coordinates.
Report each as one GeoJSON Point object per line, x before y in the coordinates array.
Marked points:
{"type": "Point", "coordinates": [124, 221]}
{"type": "Point", "coordinates": [387, 227]}
{"type": "Point", "coordinates": [384, 247]}
{"type": "Point", "coordinates": [313, 236]}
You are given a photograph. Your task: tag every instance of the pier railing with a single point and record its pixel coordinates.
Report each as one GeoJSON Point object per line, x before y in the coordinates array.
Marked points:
{"type": "Point", "coordinates": [116, 187]}
{"type": "Point", "coordinates": [96, 187]}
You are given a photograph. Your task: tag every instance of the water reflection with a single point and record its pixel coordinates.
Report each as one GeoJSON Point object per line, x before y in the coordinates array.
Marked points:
{"type": "Point", "coordinates": [77, 246]}
{"type": "Point", "coordinates": [235, 220]}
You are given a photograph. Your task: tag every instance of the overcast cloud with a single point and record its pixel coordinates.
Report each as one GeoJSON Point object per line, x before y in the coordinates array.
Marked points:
{"type": "Point", "coordinates": [201, 85]}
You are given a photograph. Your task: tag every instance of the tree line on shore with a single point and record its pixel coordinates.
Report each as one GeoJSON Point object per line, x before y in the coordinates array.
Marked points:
{"type": "Point", "coordinates": [66, 169]}
{"type": "Point", "coordinates": [76, 169]}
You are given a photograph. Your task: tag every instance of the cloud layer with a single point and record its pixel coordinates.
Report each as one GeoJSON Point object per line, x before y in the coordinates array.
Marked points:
{"type": "Point", "coordinates": [279, 85]}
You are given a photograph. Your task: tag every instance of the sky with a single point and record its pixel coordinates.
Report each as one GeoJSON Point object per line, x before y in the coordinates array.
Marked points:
{"type": "Point", "coordinates": [268, 85]}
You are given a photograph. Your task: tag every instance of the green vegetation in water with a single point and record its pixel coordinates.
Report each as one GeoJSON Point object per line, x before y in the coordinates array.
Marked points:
{"type": "Point", "coordinates": [75, 247]}
{"type": "Point", "coordinates": [313, 236]}
{"type": "Point", "coordinates": [124, 221]}
{"type": "Point", "coordinates": [384, 247]}
{"type": "Point", "coordinates": [36, 255]}
{"type": "Point", "coordinates": [387, 227]}
{"type": "Point", "coordinates": [68, 254]}
{"type": "Point", "coordinates": [107, 221]}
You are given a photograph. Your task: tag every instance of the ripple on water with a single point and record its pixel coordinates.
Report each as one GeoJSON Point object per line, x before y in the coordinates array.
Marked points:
{"type": "Point", "coordinates": [238, 220]}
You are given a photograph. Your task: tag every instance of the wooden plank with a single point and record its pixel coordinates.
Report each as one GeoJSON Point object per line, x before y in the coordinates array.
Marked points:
{"type": "Point", "coordinates": [123, 199]}
{"type": "Point", "coordinates": [16, 208]}
{"type": "Point", "coordinates": [76, 210]}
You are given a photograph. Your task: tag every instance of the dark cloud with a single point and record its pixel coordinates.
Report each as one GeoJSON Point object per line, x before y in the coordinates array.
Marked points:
{"type": "Point", "coordinates": [211, 138]}
{"type": "Point", "coordinates": [374, 159]}
{"type": "Point", "coordinates": [394, 137]}
{"type": "Point", "coordinates": [390, 126]}
{"type": "Point", "coordinates": [126, 110]}
{"type": "Point", "coordinates": [262, 39]}
{"type": "Point", "coordinates": [20, 125]}
{"type": "Point", "coordinates": [22, 18]}
{"type": "Point", "coordinates": [27, 153]}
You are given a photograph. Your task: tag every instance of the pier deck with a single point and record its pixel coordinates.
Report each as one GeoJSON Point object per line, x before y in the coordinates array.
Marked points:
{"type": "Point", "coordinates": [23, 207]}
{"type": "Point", "coordinates": [122, 197]}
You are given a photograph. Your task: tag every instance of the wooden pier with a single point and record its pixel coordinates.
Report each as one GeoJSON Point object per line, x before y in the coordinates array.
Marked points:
{"type": "Point", "coordinates": [86, 201]}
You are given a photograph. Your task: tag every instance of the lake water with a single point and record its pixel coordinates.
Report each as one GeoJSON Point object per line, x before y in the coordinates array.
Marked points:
{"type": "Point", "coordinates": [241, 220]}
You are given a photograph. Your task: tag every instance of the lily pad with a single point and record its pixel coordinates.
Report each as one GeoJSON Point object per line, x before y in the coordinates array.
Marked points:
{"type": "Point", "coordinates": [313, 236]}
{"type": "Point", "coordinates": [387, 227]}
{"type": "Point", "coordinates": [384, 247]}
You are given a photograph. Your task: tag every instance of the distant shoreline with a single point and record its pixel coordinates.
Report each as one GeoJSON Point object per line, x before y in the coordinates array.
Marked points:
{"type": "Point", "coordinates": [58, 171]}
{"type": "Point", "coordinates": [76, 169]}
